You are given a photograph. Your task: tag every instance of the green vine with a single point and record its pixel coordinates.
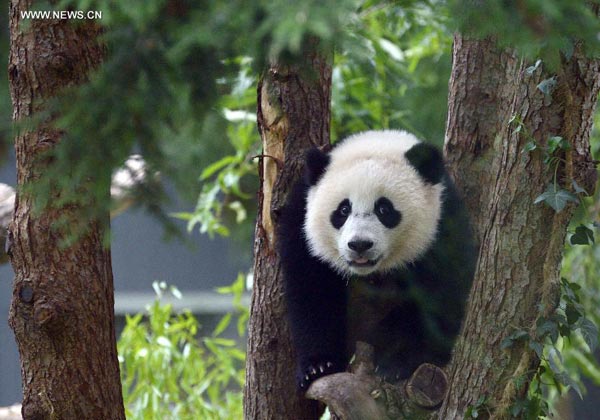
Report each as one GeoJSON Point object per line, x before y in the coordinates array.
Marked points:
{"type": "Point", "coordinates": [555, 195]}
{"type": "Point", "coordinates": [568, 326]}
{"type": "Point", "coordinates": [568, 322]}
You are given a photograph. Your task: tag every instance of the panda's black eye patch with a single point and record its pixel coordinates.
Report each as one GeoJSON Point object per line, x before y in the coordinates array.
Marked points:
{"type": "Point", "coordinates": [339, 216]}
{"type": "Point", "coordinates": [386, 213]}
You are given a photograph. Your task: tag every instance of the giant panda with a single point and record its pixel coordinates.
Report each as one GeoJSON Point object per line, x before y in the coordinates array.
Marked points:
{"type": "Point", "coordinates": [375, 245]}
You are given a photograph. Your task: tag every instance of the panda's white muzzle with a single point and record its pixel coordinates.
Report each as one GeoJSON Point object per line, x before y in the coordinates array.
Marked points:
{"type": "Point", "coordinates": [360, 243]}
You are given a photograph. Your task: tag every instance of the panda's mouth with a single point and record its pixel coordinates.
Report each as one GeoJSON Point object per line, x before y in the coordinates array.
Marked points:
{"type": "Point", "coordinates": [363, 262]}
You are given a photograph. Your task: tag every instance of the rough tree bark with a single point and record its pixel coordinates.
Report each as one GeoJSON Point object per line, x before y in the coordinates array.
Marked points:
{"type": "Point", "coordinates": [62, 305]}
{"type": "Point", "coordinates": [517, 278]}
{"type": "Point", "coordinates": [293, 115]}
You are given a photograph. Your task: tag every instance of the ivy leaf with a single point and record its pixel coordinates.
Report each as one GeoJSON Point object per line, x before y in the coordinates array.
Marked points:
{"type": "Point", "coordinates": [547, 86]}
{"type": "Point", "coordinates": [570, 290]}
{"type": "Point", "coordinates": [557, 198]}
{"type": "Point", "coordinates": [582, 236]}
{"type": "Point", "coordinates": [530, 146]}
{"type": "Point", "coordinates": [518, 407]}
{"type": "Point", "coordinates": [538, 348]}
{"type": "Point", "coordinates": [531, 69]}
{"type": "Point", "coordinates": [514, 337]}
{"type": "Point", "coordinates": [577, 188]}
{"type": "Point", "coordinates": [564, 330]}
{"type": "Point", "coordinates": [553, 356]}
{"type": "Point", "coordinates": [547, 327]}
{"type": "Point", "coordinates": [573, 314]}
{"type": "Point", "coordinates": [566, 380]}
{"type": "Point", "coordinates": [557, 142]}
{"type": "Point", "coordinates": [589, 331]}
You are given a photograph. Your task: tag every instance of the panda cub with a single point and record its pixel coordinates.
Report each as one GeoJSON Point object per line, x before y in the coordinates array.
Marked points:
{"type": "Point", "coordinates": [375, 246]}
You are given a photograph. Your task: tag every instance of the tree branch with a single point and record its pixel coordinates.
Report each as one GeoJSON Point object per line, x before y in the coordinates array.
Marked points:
{"type": "Point", "coordinates": [361, 395]}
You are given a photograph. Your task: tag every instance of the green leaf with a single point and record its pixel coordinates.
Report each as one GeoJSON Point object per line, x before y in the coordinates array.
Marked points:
{"type": "Point", "coordinates": [554, 356]}
{"type": "Point", "coordinates": [518, 407]}
{"type": "Point", "coordinates": [557, 143]}
{"type": "Point", "coordinates": [573, 313]}
{"type": "Point", "coordinates": [240, 211]}
{"type": "Point", "coordinates": [547, 328]}
{"type": "Point", "coordinates": [556, 198]}
{"type": "Point", "coordinates": [566, 380]}
{"type": "Point", "coordinates": [570, 290]}
{"type": "Point", "coordinates": [547, 86]}
{"type": "Point", "coordinates": [577, 188]}
{"type": "Point", "coordinates": [582, 236]}
{"type": "Point", "coordinates": [530, 146]}
{"type": "Point", "coordinates": [213, 168]}
{"type": "Point", "coordinates": [514, 337]}
{"type": "Point", "coordinates": [589, 331]}
{"type": "Point", "coordinates": [531, 69]}
{"type": "Point", "coordinates": [538, 348]}
{"type": "Point", "coordinates": [222, 325]}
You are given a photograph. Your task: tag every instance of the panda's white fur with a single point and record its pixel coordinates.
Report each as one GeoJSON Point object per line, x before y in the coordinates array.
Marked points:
{"type": "Point", "coordinates": [363, 168]}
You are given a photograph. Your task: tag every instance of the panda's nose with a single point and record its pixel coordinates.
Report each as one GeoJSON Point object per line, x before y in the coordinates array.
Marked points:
{"type": "Point", "coordinates": [360, 245]}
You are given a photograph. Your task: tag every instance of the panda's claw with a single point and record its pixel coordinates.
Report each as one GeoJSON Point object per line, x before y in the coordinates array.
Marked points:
{"type": "Point", "coordinates": [314, 372]}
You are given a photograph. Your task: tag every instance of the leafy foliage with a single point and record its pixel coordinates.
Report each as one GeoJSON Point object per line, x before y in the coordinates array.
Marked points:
{"type": "Point", "coordinates": [565, 342]}
{"type": "Point", "coordinates": [556, 197]}
{"type": "Point", "coordinates": [397, 61]}
{"type": "Point", "coordinates": [396, 72]}
{"type": "Point", "coordinates": [568, 323]}
{"type": "Point", "coordinates": [168, 374]}
{"type": "Point", "coordinates": [226, 181]}
{"type": "Point", "coordinates": [167, 65]}
{"type": "Point", "coordinates": [477, 409]}
{"type": "Point", "coordinates": [537, 29]}
{"type": "Point", "coordinates": [582, 265]}
{"type": "Point", "coordinates": [582, 236]}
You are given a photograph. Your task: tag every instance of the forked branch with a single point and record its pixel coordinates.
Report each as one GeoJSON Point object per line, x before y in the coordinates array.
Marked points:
{"type": "Point", "coordinates": [362, 395]}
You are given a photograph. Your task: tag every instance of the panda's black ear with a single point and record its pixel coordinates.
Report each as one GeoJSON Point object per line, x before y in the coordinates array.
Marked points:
{"type": "Point", "coordinates": [428, 161]}
{"type": "Point", "coordinates": [316, 163]}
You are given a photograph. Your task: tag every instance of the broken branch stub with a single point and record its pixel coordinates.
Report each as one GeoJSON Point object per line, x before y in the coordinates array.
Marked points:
{"type": "Point", "coordinates": [362, 395]}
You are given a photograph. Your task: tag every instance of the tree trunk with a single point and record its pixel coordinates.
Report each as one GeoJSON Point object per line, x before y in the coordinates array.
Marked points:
{"type": "Point", "coordinates": [293, 115]}
{"type": "Point", "coordinates": [62, 304]}
{"type": "Point", "coordinates": [517, 278]}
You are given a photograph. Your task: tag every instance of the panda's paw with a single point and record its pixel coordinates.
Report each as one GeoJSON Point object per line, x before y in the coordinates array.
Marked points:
{"type": "Point", "coordinates": [314, 372]}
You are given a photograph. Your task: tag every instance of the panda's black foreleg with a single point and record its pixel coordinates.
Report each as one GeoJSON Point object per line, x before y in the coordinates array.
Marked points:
{"type": "Point", "coordinates": [315, 296]}
{"type": "Point", "coordinates": [316, 300]}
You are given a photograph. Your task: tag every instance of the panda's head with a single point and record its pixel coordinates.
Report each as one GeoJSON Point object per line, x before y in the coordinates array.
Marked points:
{"type": "Point", "coordinates": [374, 202]}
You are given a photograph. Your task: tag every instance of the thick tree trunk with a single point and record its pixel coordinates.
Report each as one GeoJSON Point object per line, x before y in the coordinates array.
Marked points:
{"type": "Point", "coordinates": [293, 115]}
{"type": "Point", "coordinates": [62, 304]}
{"type": "Point", "coordinates": [517, 278]}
